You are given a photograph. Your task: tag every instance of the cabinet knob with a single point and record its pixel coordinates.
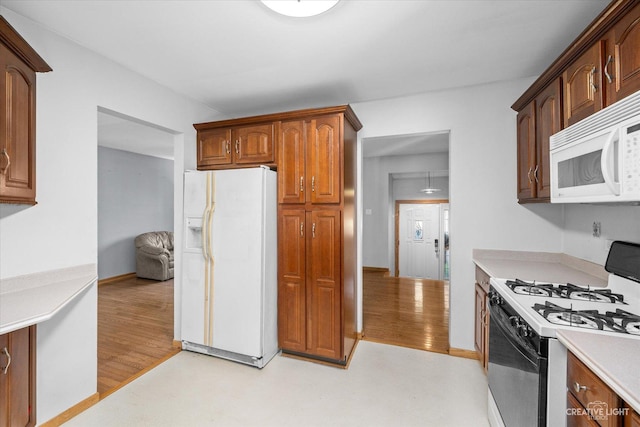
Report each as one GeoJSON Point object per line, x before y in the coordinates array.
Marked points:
{"type": "Point", "coordinates": [578, 388]}
{"type": "Point", "coordinates": [6, 368]}
{"type": "Point", "coordinates": [6, 156]}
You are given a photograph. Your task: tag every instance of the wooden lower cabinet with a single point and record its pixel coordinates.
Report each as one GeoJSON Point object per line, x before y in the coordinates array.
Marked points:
{"type": "Point", "coordinates": [590, 402]}
{"type": "Point", "coordinates": [481, 338]}
{"type": "Point", "coordinates": [310, 295]}
{"type": "Point", "coordinates": [17, 378]}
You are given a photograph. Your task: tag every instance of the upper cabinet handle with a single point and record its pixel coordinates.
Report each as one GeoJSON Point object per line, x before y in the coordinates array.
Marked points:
{"type": "Point", "coordinates": [592, 78]}
{"type": "Point", "coordinates": [6, 368]}
{"type": "Point", "coordinates": [313, 184]}
{"type": "Point", "coordinates": [228, 147]}
{"type": "Point", "coordinates": [301, 184]}
{"type": "Point", "coordinates": [313, 230]}
{"type": "Point", "coordinates": [529, 175]}
{"type": "Point", "coordinates": [237, 147]}
{"type": "Point", "coordinates": [6, 155]}
{"type": "Point", "coordinates": [606, 72]}
{"type": "Point", "coordinates": [535, 173]}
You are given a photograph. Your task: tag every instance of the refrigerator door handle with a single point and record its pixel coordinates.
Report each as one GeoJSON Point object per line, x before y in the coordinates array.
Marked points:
{"type": "Point", "coordinates": [205, 233]}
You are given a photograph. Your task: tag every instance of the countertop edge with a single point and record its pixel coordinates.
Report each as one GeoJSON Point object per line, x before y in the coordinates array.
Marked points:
{"type": "Point", "coordinates": [565, 338]}
{"type": "Point", "coordinates": [79, 274]}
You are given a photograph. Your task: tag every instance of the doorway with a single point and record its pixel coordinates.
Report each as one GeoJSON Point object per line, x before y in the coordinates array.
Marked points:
{"type": "Point", "coordinates": [135, 195]}
{"type": "Point", "coordinates": [405, 299]}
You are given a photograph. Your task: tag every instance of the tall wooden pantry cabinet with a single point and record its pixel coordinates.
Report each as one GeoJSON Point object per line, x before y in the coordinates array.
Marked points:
{"type": "Point", "coordinates": [316, 233]}
{"type": "Point", "coordinates": [314, 152]}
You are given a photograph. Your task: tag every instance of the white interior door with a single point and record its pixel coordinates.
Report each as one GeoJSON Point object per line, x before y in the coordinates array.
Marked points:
{"type": "Point", "coordinates": [419, 230]}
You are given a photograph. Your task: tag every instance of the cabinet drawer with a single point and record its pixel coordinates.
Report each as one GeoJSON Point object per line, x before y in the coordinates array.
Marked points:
{"type": "Point", "coordinates": [576, 414]}
{"type": "Point", "coordinates": [591, 392]}
{"type": "Point", "coordinates": [482, 279]}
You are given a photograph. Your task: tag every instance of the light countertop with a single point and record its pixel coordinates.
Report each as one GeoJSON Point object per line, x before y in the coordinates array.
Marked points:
{"type": "Point", "coordinates": [612, 358]}
{"type": "Point", "coordinates": [34, 298]}
{"type": "Point", "coordinates": [540, 266]}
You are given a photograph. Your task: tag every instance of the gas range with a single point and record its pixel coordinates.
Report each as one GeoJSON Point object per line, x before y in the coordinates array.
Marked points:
{"type": "Point", "coordinates": [527, 365]}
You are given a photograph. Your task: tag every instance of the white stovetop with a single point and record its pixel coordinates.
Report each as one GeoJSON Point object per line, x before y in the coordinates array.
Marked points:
{"type": "Point", "coordinates": [34, 298]}
{"type": "Point", "coordinates": [523, 304]}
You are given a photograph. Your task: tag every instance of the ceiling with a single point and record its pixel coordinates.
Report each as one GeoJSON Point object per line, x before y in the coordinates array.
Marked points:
{"type": "Point", "coordinates": [240, 58]}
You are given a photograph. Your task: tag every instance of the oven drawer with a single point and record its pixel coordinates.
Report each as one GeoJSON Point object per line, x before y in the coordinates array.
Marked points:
{"type": "Point", "coordinates": [592, 394]}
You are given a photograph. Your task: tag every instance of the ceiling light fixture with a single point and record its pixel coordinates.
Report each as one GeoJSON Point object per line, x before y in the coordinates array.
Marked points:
{"type": "Point", "coordinates": [300, 8]}
{"type": "Point", "coordinates": [429, 189]}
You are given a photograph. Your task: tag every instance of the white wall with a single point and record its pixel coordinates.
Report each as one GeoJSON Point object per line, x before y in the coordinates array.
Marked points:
{"type": "Point", "coordinates": [135, 195]}
{"type": "Point", "coordinates": [617, 223]}
{"type": "Point", "coordinates": [61, 230]}
{"type": "Point", "coordinates": [482, 165]}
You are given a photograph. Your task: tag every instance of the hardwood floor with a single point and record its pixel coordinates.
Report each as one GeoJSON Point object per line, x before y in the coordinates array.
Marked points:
{"type": "Point", "coordinates": [406, 312]}
{"type": "Point", "coordinates": [135, 329]}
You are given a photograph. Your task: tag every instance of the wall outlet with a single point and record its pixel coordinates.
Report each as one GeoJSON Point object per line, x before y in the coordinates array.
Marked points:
{"type": "Point", "coordinates": [596, 229]}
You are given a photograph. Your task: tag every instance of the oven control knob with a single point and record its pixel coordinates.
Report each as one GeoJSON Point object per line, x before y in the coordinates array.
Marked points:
{"type": "Point", "coordinates": [495, 299]}
{"type": "Point", "coordinates": [515, 321]}
{"type": "Point", "coordinates": [523, 330]}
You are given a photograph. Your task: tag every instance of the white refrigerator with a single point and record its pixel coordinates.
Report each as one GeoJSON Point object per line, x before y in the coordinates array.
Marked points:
{"type": "Point", "coordinates": [229, 274]}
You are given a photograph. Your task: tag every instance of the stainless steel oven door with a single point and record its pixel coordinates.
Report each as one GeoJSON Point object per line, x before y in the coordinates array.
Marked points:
{"type": "Point", "coordinates": [517, 374]}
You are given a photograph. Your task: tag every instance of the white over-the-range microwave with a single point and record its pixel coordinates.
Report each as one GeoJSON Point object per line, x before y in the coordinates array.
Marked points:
{"type": "Point", "coordinates": [597, 160]}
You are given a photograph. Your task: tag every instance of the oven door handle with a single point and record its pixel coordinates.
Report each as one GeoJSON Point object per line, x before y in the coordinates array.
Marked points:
{"type": "Point", "coordinates": [498, 318]}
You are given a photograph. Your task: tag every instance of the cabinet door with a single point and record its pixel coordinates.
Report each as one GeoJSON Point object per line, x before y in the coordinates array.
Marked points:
{"type": "Point", "coordinates": [253, 145]}
{"type": "Point", "coordinates": [526, 152]}
{"type": "Point", "coordinates": [17, 384]}
{"type": "Point", "coordinates": [291, 280]}
{"type": "Point", "coordinates": [324, 284]}
{"type": "Point", "coordinates": [291, 155]}
{"type": "Point", "coordinates": [623, 60]}
{"type": "Point", "coordinates": [583, 85]}
{"type": "Point", "coordinates": [479, 324]}
{"type": "Point", "coordinates": [214, 147]}
{"type": "Point", "coordinates": [548, 119]}
{"type": "Point", "coordinates": [17, 139]}
{"type": "Point", "coordinates": [323, 160]}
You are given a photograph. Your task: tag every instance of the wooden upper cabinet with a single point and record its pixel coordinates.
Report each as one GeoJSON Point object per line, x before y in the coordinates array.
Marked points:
{"type": "Point", "coordinates": [548, 118]}
{"type": "Point", "coordinates": [253, 144]}
{"type": "Point", "coordinates": [622, 67]}
{"type": "Point", "coordinates": [247, 145]}
{"type": "Point", "coordinates": [583, 85]}
{"type": "Point", "coordinates": [214, 147]}
{"type": "Point", "coordinates": [291, 162]}
{"type": "Point", "coordinates": [19, 63]}
{"type": "Point", "coordinates": [309, 161]}
{"type": "Point", "coordinates": [323, 160]}
{"type": "Point", "coordinates": [526, 137]}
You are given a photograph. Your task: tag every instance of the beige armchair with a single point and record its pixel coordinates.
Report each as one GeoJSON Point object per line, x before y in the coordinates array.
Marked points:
{"type": "Point", "coordinates": [154, 255]}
